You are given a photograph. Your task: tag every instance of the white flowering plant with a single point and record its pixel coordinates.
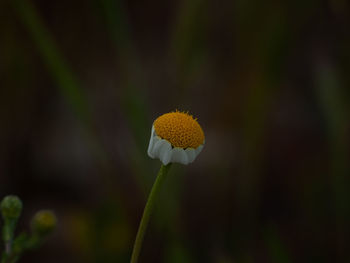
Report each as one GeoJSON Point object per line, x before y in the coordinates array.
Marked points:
{"type": "Point", "coordinates": [176, 137]}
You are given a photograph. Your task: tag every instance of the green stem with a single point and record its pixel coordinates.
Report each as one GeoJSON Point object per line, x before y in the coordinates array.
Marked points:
{"type": "Point", "coordinates": [21, 244]}
{"type": "Point", "coordinates": [7, 233]}
{"type": "Point", "coordinates": [147, 212]}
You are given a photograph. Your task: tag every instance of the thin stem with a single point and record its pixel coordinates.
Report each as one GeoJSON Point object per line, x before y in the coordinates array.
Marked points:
{"type": "Point", "coordinates": [147, 212]}
{"type": "Point", "coordinates": [8, 246]}
{"type": "Point", "coordinates": [8, 232]}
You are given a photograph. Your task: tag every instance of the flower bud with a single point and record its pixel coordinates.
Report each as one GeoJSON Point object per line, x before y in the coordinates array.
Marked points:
{"type": "Point", "coordinates": [43, 222]}
{"type": "Point", "coordinates": [11, 207]}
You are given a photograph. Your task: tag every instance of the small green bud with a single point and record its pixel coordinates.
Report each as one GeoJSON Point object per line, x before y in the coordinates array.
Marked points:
{"type": "Point", "coordinates": [43, 222]}
{"type": "Point", "coordinates": [11, 207]}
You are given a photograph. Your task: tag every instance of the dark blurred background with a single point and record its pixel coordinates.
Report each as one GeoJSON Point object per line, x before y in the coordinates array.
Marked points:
{"type": "Point", "coordinates": [82, 81]}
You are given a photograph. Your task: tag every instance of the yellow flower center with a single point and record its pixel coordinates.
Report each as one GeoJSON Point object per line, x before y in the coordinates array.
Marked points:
{"type": "Point", "coordinates": [180, 129]}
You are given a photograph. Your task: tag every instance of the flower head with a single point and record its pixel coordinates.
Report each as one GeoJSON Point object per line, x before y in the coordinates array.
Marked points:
{"type": "Point", "coordinates": [176, 137]}
{"type": "Point", "coordinates": [11, 207]}
{"type": "Point", "coordinates": [43, 222]}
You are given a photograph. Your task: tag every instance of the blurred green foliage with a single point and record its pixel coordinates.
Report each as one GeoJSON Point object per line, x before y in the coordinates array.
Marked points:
{"type": "Point", "coordinates": [82, 81]}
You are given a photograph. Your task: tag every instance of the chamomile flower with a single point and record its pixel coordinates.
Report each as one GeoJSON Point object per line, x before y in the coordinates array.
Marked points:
{"type": "Point", "coordinates": [176, 137]}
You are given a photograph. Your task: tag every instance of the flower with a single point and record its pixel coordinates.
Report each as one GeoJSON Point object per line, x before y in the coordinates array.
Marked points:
{"type": "Point", "coordinates": [11, 207]}
{"type": "Point", "coordinates": [176, 137]}
{"type": "Point", "coordinates": [43, 222]}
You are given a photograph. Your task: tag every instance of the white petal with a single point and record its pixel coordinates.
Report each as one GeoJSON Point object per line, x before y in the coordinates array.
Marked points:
{"type": "Point", "coordinates": [151, 143]}
{"type": "Point", "coordinates": [165, 152]}
{"type": "Point", "coordinates": [191, 154]}
{"type": "Point", "coordinates": [162, 149]}
{"type": "Point", "coordinates": [179, 156]}
{"type": "Point", "coordinates": [157, 145]}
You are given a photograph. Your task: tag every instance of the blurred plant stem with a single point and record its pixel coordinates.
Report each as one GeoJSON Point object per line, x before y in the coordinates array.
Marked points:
{"type": "Point", "coordinates": [67, 83]}
{"type": "Point", "coordinates": [57, 66]}
{"type": "Point", "coordinates": [335, 109]}
{"type": "Point", "coordinates": [187, 46]}
{"type": "Point", "coordinates": [22, 244]}
{"type": "Point", "coordinates": [11, 208]}
{"type": "Point", "coordinates": [148, 211]}
{"type": "Point", "coordinates": [7, 232]}
{"type": "Point", "coordinates": [132, 99]}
